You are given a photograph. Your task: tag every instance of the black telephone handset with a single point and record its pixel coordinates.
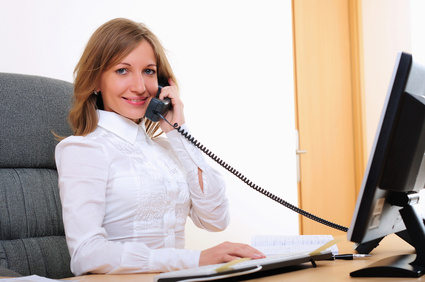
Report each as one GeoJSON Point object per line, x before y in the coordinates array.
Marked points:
{"type": "Point", "coordinates": [157, 106]}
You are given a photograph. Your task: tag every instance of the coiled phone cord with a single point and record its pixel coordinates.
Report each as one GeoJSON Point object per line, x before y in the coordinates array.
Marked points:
{"type": "Point", "coordinates": [249, 182]}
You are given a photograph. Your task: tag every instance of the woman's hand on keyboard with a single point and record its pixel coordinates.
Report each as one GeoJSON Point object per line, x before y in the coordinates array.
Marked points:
{"type": "Point", "coordinates": [228, 251]}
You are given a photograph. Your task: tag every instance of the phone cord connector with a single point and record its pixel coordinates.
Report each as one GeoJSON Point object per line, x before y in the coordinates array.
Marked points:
{"type": "Point", "coordinates": [250, 183]}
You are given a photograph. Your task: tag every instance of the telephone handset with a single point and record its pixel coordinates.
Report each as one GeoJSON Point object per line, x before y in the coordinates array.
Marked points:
{"type": "Point", "coordinates": [158, 107]}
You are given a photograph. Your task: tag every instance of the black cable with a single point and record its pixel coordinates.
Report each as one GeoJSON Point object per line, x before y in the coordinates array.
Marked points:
{"type": "Point", "coordinates": [250, 183]}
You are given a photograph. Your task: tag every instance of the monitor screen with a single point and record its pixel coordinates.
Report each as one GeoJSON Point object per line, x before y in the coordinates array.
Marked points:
{"type": "Point", "coordinates": [395, 173]}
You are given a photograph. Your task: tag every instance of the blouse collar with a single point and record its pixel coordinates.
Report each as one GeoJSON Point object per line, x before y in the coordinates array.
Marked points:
{"type": "Point", "coordinates": [119, 125]}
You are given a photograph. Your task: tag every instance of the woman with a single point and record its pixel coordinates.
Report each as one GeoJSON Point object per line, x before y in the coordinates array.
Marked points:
{"type": "Point", "coordinates": [126, 193]}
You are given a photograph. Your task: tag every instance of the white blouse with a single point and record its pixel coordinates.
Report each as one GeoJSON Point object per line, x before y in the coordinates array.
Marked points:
{"type": "Point", "coordinates": [125, 198]}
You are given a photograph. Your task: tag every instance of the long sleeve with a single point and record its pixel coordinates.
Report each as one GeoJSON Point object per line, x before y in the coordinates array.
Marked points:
{"type": "Point", "coordinates": [83, 168]}
{"type": "Point", "coordinates": [210, 206]}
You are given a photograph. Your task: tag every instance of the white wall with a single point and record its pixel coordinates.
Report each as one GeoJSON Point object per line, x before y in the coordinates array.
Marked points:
{"type": "Point", "coordinates": [389, 27]}
{"type": "Point", "coordinates": [234, 64]}
{"type": "Point", "coordinates": [386, 31]}
{"type": "Point", "coordinates": [417, 8]}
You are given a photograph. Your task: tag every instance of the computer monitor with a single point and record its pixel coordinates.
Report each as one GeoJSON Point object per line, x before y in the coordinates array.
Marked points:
{"type": "Point", "coordinates": [395, 174]}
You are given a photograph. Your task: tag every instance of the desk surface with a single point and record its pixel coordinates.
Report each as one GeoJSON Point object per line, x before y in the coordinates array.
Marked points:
{"type": "Point", "coordinates": [338, 270]}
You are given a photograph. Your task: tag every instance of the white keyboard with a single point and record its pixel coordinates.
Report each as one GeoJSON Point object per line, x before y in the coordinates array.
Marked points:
{"type": "Point", "coordinates": [242, 267]}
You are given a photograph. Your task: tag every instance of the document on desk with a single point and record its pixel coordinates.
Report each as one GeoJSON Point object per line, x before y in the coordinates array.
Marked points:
{"type": "Point", "coordinates": [279, 244]}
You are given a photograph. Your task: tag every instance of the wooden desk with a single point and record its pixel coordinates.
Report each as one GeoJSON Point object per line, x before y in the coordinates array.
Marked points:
{"type": "Point", "coordinates": [338, 270]}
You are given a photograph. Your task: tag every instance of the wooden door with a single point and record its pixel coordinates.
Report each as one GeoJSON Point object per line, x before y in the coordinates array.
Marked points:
{"type": "Point", "coordinates": [329, 109]}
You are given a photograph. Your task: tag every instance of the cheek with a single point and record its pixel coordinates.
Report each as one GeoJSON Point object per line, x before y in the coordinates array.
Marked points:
{"type": "Point", "coordinates": [110, 91]}
{"type": "Point", "coordinates": [151, 85]}
{"type": "Point", "coordinates": [113, 87]}
{"type": "Point", "coordinates": [152, 91]}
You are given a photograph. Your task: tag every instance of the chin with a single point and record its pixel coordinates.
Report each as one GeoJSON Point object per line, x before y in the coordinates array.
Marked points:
{"type": "Point", "coordinates": [136, 115]}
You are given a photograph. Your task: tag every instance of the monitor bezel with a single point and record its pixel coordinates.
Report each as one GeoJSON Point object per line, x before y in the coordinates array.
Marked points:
{"type": "Point", "coordinates": [369, 194]}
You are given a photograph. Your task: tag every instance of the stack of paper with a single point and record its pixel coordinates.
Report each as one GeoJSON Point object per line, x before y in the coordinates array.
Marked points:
{"type": "Point", "coordinates": [277, 244]}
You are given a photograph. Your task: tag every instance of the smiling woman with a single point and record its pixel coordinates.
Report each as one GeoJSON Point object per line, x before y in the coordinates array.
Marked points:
{"type": "Point", "coordinates": [107, 51]}
{"type": "Point", "coordinates": [127, 87]}
{"type": "Point", "coordinates": [126, 195]}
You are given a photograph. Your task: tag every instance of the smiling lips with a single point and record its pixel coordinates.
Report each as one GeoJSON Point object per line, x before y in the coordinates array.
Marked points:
{"type": "Point", "coordinates": [136, 102]}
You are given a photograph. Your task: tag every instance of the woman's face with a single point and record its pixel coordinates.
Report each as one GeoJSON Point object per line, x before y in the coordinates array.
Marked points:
{"type": "Point", "coordinates": [128, 87]}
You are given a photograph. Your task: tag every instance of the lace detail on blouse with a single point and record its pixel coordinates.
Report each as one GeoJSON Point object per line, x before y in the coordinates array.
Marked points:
{"type": "Point", "coordinates": [163, 193]}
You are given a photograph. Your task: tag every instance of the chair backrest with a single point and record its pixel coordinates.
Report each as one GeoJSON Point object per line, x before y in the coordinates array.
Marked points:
{"type": "Point", "coordinates": [32, 238]}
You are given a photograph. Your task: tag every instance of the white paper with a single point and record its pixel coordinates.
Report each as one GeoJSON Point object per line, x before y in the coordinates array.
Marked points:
{"type": "Point", "coordinates": [277, 244]}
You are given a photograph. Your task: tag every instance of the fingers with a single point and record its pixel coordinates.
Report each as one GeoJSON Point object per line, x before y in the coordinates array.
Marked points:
{"type": "Point", "coordinates": [243, 251]}
{"type": "Point", "coordinates": [227, 251]}
{"type": "Point", "coordinates": [228, 258]}
{"type": "Point", "coordinates": [170, 91]}
{"type": "Point", "coordinates": [171, 82]}
{"type": "Point", "coordinates": [176, 114]}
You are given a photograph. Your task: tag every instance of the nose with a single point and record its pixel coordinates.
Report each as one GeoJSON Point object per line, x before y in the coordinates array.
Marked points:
{"type": "Point", "coordinates": [138, 84]}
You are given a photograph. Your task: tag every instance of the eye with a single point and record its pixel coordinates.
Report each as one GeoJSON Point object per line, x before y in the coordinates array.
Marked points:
{"type": "Point", "coordinates": [121, 71]}
{"type": "Point", "coordinates": [150, 71]}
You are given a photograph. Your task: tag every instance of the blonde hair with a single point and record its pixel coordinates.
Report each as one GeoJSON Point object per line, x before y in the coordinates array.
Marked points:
{"type": "Point", "coordinates": [110, 43]}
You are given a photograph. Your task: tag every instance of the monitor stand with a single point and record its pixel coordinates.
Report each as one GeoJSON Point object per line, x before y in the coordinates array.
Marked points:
{"type": "Point", "coordinates": [412, 265]}
{"type": "Point", "coordinates": [367, 247]}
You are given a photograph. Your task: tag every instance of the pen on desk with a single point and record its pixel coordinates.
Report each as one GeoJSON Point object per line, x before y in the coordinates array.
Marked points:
{"type": "Point", "coordinates": [350, 256]}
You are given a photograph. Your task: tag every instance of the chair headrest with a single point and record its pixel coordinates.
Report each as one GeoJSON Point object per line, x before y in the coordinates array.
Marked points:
{"type": "Point", "coordinates": [31, 108]}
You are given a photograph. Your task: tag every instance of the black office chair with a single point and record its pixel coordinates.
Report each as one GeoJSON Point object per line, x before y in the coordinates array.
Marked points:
{"type": "Point", "coordinates": [32, 238]}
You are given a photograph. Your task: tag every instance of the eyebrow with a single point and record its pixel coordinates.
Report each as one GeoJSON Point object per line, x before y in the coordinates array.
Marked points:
{"type": "Point", "coordinates": [127, 64]}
